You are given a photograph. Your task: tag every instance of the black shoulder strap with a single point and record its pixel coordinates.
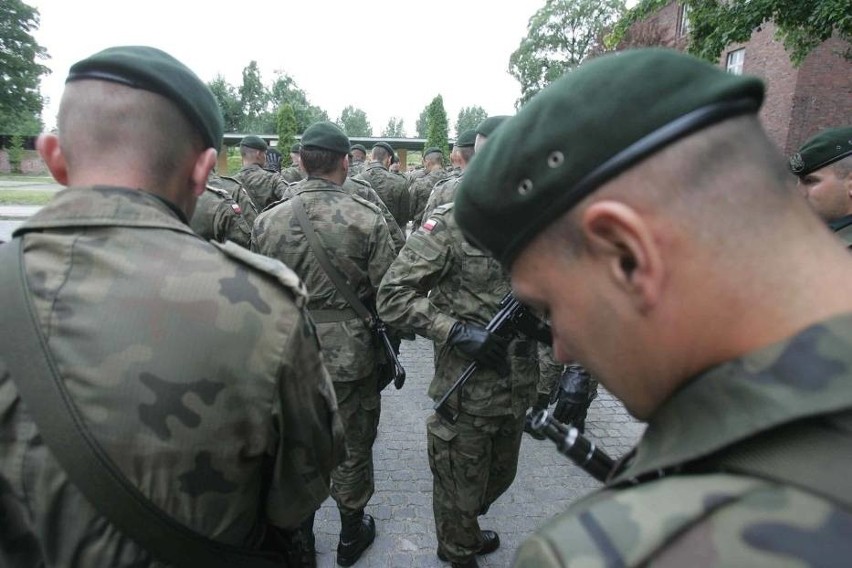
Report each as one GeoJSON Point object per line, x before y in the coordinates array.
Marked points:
{"type": "Point", "coordinates": [33, 369]}
{"type": "Point", "coordinates": [337, 278]}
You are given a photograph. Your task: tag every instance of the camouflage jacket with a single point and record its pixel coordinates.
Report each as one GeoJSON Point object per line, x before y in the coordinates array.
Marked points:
{"type": "Point", "coordinates": [698, 516]}
{"type": "Point", "coordinates": [419, 192]}
{"type": "Point", "coordinates": [195, 367]}
{"type": "Point", "coordinates": [439, 278]}
{"type": "Point", "coordinates": [357, 240]}
{"type": "Point", "coordinates": [843, 229]}
{"type": "Point", "coordinates": [219, 217]}
{"type": "Point", "coordinates": [263, 186]}
{"type": "Point", "coordinates": [392, 189]}
{"type": "Point", "coordinates": [292, 174]}
{"type": "Point", "coordinates": [356, 167]}
{"type": "Point", "coordinates": [442, 193]}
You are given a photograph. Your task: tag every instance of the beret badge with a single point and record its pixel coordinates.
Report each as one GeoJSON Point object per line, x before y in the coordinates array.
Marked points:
{"type": "Point", "coordinates": [797, 164]}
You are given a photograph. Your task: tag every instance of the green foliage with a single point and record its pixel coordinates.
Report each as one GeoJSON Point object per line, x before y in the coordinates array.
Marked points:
{"type": "Point", "coordinates": [254, 99]}
{"type": "Point", "coordinates": [560, 35]}
{"type": "Point", "coordinates": [394, 129]}
{"type": "Point", "coordinates": [354, 122]}
{"type": "Point", "coordinates": [229, 103]}
{"type": "Point", "coordinates": [470, 117]}
{"type": "Point", "coordinates": [437, 126]}
{"type": "Point", "coordinates": [714, 24]}
{"type": "Point", "coordinates": [287, 128]}
{"type": "Point", "coordinates": [25, 196]}
{"type": "Point", "coordinates": [420, 126]}
{"type": "Point", "coordinates": [286, 91]}
{"type": "Point", "coordinates": [21, 102]}
{"type": "Point", "coordinates": [16, 152]}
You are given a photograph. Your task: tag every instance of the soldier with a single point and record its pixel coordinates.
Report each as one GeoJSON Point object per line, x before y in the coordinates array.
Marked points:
{"type": "Point", "coordinates": [263, 186]}
{"type": "Point", "coordinates": [442, 288]}
{"type": "Point", "coordinates": [192, 366]}
{"type": "Point", "coordinates": [358, 155]}
{"type": "Point", "coordinates": [219, 217]}
{"type": "Point", "coordinates": [392, 188]}
{"type": "Point", "coordinates": [356, 239]}
{"type": "Point", "coordinates": [433, 166]}
{"type": "Point", "coordinates": [824, 168]}
{"type": "Point", "coordinates": [486, 128]}
{"type": "Point", "coordinates": [725, 333]}
{"type": "Point", "coordinates": [445, 191]}
{"type": "Point", "coordinates": [294, 173]}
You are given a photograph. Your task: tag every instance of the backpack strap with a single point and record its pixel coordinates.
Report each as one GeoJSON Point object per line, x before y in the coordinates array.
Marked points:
{"type": "Point", "coordinates": [33, 369]}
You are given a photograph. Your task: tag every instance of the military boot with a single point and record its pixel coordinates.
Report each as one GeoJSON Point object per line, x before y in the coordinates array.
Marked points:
{"type": "Point", "coordinates": [357, 533]}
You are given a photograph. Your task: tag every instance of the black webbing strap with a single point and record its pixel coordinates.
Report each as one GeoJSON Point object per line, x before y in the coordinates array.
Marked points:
{"type": "Point", "coordinates": [33, 369]}
{"type": "Point", "coordinates": [337, 278]}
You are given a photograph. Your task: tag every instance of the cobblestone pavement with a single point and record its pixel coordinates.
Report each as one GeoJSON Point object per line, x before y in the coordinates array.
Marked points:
{"type": "Point", "coordinates": [402, 505]}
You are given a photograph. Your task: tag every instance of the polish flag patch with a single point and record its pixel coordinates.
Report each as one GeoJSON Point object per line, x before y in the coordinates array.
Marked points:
{"type": "Point", "coordinates": [236, 208]}
{"type": "Point", "coordinates": [429, 225]}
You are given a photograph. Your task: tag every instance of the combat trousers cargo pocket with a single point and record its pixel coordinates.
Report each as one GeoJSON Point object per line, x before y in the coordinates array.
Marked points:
{"type": "Point", "coordinates": [440, 435]}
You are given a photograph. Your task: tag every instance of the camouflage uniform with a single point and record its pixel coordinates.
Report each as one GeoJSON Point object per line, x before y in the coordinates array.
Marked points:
{"type": "Point", "coordinates": [195, 367]}
{"type": "Point", "coordinates": [358, 241]}
{"type": "Point", "coordinates": [419, 192]}
{"type": "Point", "coordinates": [356, 167]}
{"type": "Point", "coordinates": [788, 405]}
{"type": "Point", "coordinates": [237, 192]}
{"type": "Point", "coordinates": [444, 192]}
{"type": "Point", "coordinates": [392, 189]}
{"type": "Point", "coordinates": [219, 217]}
{"type": "Point", "coordinates": [263, 186]}
{"type": "Point", "coordinates": [292, 174]}
{"type": "Point", "coordinates": [437, 279]}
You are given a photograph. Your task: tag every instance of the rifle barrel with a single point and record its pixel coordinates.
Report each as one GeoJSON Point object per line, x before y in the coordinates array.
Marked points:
{"type": "Point", "coordinates": [572, 444]}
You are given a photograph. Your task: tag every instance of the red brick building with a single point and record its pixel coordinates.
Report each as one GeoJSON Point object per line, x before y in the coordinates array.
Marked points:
{"type": "Point", "coordinates": [800, 101]}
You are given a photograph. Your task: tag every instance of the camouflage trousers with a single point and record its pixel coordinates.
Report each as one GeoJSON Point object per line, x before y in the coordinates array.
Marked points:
{"type": "Point", "coordinates": [359, 406]}
{"type": "Point", "coordinates": [473, 462]}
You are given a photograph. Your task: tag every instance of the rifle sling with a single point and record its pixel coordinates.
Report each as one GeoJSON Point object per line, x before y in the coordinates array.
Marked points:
{"type": "Point", "coordinates": [335, 275]}
{"type": "Point", "coordinates": [33, 369]}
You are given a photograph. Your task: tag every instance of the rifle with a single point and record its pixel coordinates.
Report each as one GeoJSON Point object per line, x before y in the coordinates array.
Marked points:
{"type": "Point", "coordinates": [390, 369]}
{"type": "Point", "coordinates": [571, 443]}
{"type": "Point", "coordinates": [512, 318]}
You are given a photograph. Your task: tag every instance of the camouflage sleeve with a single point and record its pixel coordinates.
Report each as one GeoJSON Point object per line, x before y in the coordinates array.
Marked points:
{"type": "Point", "coordinates": [382, 252]}
{"type": "Point", "coordinates": [404, 207]}
{"type": "Point", "coordinates": [403, 298]}
{"type": "Point", "coordinates": [549, 370]}
{"type": "Point", "coordinates": [310, 431]}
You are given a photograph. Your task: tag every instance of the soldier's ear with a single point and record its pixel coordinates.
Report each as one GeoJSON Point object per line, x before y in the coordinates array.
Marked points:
{"type": "Point", "coordinates": [50, 152]}
{"type": "Point", "coordinates": [201, 169]}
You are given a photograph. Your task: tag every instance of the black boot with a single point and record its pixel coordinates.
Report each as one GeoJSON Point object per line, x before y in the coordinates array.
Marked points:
{"type": "Point", "coordinates": [357, 533]}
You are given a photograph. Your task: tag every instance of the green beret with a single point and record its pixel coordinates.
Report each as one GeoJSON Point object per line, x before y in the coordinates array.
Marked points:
{"type": "Point", "coordinates": [584, 129]}
{"type": "Point", "coordinates": [466, 139]}
{"type": "Point", "coordinates": [822, 150]}
{"type": "Point", "coordinates": [490, 124]}
{"type": "Point", "coordinates": [256, 142]}
{"type": "Point", "coordinates": [326, 136]}
{"type": "Point", "coordinates": [432, 150]}
{"type": "Point", "coordinates": [358, 147]}
{"type": "Point", "coordinates": [387, 147]}
{"type": "Point", "coordinates": [150, 69]}
{"type": "Point", "coordinates": [294, 149]}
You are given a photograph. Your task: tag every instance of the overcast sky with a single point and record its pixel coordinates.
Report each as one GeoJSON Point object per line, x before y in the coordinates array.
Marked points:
{"type": "Point", "coordinates": [386, 58]}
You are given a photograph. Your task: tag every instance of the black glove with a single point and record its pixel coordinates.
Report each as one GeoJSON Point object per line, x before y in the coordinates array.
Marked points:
{"type": "Point", "coordinates": [577, 389]}
{"type": "Point", "coordinates": [480, 345]}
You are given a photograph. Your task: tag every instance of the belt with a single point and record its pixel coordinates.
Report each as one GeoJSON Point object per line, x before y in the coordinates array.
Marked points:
{"type": "Point", "coordinates": [329, 316]}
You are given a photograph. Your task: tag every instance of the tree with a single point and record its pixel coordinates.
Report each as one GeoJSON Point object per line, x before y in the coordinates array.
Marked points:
{"type": "Point", "coordinates": [714, 24]}
{"type": "Point", "coordinates": [354, 122]}
{"type": "Point", "coordinates": [437, 126]}
{"type": "Point", "coordinates": [287, 127]}
{"type": "Point", "coordinates": [286, 91]}
{"type": "Point", "coordinates": [560, 35]}
{"type": "Point", "coordinates": [394, 129]}
{"type": "Point", "coordinates": [420, 126]}
{"type": "Point", "coordinates": [470, 117]}
{"type": "Point", "coordinates": [229, 103]}
{"type": "Point", "coordinates": [21, 102]}
{"type": "Point", "coordinates": [254, 99]}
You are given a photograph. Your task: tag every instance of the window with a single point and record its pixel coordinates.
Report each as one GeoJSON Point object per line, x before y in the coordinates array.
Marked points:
{"type": "Point", "coordinates": [735, 61]}
{"type": "Point", "coordinates": [683, 21]}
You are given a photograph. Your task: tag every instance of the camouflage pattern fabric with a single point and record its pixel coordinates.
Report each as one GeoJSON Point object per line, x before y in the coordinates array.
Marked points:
{"type": "Point", "coordinates": [263, 186]}
{"type": "Point", "coordinates": [420, 190]}
{"type": "Point", "coordinates": [357, 240]}
{"type": "Point", "coordinates": [238, 193]}
{"type": "Point", "coordinates": [195, 367]}
{"type": "Point", "coordinates": [418, 173]}
{"type": "Point", "coordinates": [549, 370]}
{"type": "Point", "coordinates": [219, 217]}
{"type": "Point", "coordinates": [707, 518]}
{"type": "Point", "coordinates": [293, 174]}
{"type": "Point", "coordinates": [437, 279]}
{"type": "Point", "coordinates": [444, 192]}
{"type": "Point", "coordinates": [391, 188]}
{"type": "Point", "coordinates": [356, 167]}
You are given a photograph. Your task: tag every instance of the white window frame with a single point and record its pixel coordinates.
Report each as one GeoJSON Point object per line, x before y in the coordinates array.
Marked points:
{"type": "Point", "coordinates": [735, 61]}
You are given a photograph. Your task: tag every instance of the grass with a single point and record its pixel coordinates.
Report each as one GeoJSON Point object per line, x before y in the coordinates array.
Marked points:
{"type": "Point", "coordinates": [46, 178]}
{"type": "Point", "coordinates": [25, 197]}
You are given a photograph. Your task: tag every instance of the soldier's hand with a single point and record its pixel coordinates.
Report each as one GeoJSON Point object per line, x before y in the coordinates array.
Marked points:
{"type": "Point", "coordinates": [480, 345]}
{"type": "Point", "coordinates": [574, 396]}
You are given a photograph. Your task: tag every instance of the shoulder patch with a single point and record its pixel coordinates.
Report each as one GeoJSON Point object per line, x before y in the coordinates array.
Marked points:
{"type": "Point", "coordinates": [220, 192]}
{"type": "Point", "coordinates": [270, 266]}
